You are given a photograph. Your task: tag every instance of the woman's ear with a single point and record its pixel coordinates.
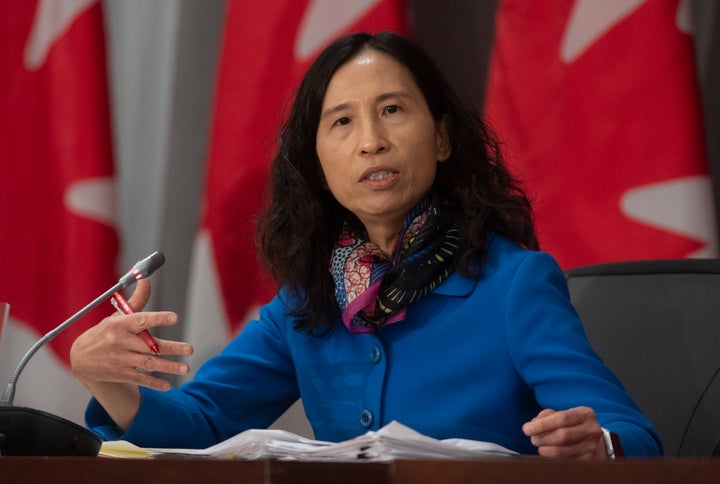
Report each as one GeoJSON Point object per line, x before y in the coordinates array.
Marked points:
{"type": "Point", "coordinates": [442, 140]}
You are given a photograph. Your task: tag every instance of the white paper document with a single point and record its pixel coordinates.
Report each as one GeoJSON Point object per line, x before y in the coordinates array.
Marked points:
{"type": "Point", "coordinates": [394, 441]}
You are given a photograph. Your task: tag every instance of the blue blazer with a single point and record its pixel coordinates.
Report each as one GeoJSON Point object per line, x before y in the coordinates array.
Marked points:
{"type": "Point", "coordinates": [475, 359]}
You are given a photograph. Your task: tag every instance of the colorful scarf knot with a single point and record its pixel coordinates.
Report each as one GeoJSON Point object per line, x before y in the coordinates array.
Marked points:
{"type": "Point", "coordinates": [373, 291]}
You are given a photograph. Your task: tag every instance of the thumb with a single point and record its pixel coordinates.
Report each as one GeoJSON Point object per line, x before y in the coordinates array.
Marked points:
{"type": "Point", "coordinates": [140, 296]}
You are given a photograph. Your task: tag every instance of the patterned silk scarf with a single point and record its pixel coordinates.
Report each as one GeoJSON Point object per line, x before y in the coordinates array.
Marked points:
{"type": "Point", "coordinates": [372, 290]}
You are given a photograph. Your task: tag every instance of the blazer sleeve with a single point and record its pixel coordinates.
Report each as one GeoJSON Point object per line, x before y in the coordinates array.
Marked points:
{"type": "Point", "coordinates": [248, 385]}
{"type": "Point", "coordinates": [553, 355]}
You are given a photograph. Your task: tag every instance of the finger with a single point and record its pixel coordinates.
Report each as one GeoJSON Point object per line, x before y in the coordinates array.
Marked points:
{"type": "Point", "coordinates": [166, 347]}
{"type": "Point", "coordinates": [138, 322]}
{"type": "Point", "coordinates": [153, 364]}
{"type": "Point", "coordinates": [131, 367]}
{"type": "Point", "coordinates": [145, 321]}
{"type": "Point", "coordinates": [543, 413]}
{"type": "Point", "coordinates": [135, 377]}
{"type": "Point", "coordinates": [588, 447]}
{"type": "Point", "coordinates": [584, 451]}
{"type": "Point", "coordinates": [141, 369]}
{"type": "Point", "coordinates": [548, 421]}
{"type": "Point", "coordinates": [536, 425]}
{"type": "Point", "coordinates": [174, 348]}
{"type": "Point", "coordinates": [568, 436]}
{"type": "Point", "coordinates": [153, 382]}
{"type": "Point", "coordinates": [140, 295]}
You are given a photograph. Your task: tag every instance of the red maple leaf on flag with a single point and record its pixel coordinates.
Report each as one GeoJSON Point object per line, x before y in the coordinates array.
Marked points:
{"type": "Point", "coordinates": [58, 242]}
{"type": "Point", "coordinates": [598, 106]}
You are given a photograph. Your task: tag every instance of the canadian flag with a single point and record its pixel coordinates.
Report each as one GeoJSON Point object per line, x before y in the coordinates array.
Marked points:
{"type": "Point", "coordinates": [267, 47]}
{"type": "Point", "coordinates": [58, 244]}
{"type": "Point", "coordinates": [598, 107]}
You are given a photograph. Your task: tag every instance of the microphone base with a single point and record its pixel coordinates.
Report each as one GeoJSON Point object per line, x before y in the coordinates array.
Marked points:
{"type": "Point", "coordinates": [30, 432]}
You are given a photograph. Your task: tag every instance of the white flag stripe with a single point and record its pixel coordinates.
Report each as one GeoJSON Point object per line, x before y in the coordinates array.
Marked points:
{"type": "Point", "coordinates": [93, 198]}
{"type": "Point", "coordinates": [589, 21]}
{"type": "Point", "coordinates": [323, 20]}
{"type": "Point", "coordinates": [206, 326]}
{"type": "Point", "coordinates": [52, 19]}
{"type": "Point", "coordinates": [682, 206]}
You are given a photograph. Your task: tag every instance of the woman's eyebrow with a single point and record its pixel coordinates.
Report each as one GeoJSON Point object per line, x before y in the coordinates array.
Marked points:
{"type": "Point", "coordinates": [334, 109]}
{"type": "Point", "coordinates": [391, 95]}
{"type": "Point", "coordinates": [378, 99]}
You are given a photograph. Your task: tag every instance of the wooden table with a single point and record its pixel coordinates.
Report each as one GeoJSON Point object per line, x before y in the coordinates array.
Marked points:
{"type": "Point", "coordinates": [80, 470]}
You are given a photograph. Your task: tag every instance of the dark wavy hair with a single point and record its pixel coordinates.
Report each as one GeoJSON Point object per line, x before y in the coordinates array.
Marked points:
{"type": "Point", "coordinates": [301, 220]}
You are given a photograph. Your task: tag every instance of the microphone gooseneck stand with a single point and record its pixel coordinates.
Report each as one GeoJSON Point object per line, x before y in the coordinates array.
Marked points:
{"type": "Point", "coordinates": [27, 431]}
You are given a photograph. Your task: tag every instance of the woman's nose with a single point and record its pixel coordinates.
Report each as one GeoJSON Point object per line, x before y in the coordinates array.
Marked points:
{"type": "Point", "coordinates": [373, 139]}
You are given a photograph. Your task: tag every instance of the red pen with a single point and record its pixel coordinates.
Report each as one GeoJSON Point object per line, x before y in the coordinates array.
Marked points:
{"type": "Point", "coordinates": [124, 308]}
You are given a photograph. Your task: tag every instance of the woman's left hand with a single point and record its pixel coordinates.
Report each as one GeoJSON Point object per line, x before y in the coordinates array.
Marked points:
{"type": "Point", "coordinates": [574, 433]}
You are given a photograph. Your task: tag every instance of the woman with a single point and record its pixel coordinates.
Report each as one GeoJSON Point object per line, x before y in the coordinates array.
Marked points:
{"type": "Point", "coordinates": [437, 309]}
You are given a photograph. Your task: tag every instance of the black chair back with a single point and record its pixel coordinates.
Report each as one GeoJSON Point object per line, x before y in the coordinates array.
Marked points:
{"type": "Point", "coordinates": [656, 324]}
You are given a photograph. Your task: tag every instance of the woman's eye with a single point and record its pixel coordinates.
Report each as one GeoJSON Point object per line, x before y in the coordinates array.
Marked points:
{"type": "Point", "coordinates": [342, 121]}
{"type": "Point", "coordinates": [391, 109]}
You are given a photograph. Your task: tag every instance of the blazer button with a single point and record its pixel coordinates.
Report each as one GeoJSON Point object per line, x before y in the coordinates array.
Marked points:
{"type": "Point", "coordinates": [375, 355]}
{"type": "Point", "coordinates": [366, 418]}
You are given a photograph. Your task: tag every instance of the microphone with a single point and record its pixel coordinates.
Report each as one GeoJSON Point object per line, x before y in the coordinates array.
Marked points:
{"type": "Point", "coordinates": [26, 431]}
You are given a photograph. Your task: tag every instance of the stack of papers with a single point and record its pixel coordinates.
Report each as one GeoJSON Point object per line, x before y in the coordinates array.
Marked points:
{"type": "Point", "coordinates": [394, 441]}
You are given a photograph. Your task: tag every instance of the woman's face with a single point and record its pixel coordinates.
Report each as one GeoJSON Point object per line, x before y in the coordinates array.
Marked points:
{"type": "Point", "coordinates": [377, 142]}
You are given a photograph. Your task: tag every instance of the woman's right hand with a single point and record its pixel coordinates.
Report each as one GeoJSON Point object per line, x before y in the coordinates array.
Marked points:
{"type": "Point", "coordinates": [111, 360]}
